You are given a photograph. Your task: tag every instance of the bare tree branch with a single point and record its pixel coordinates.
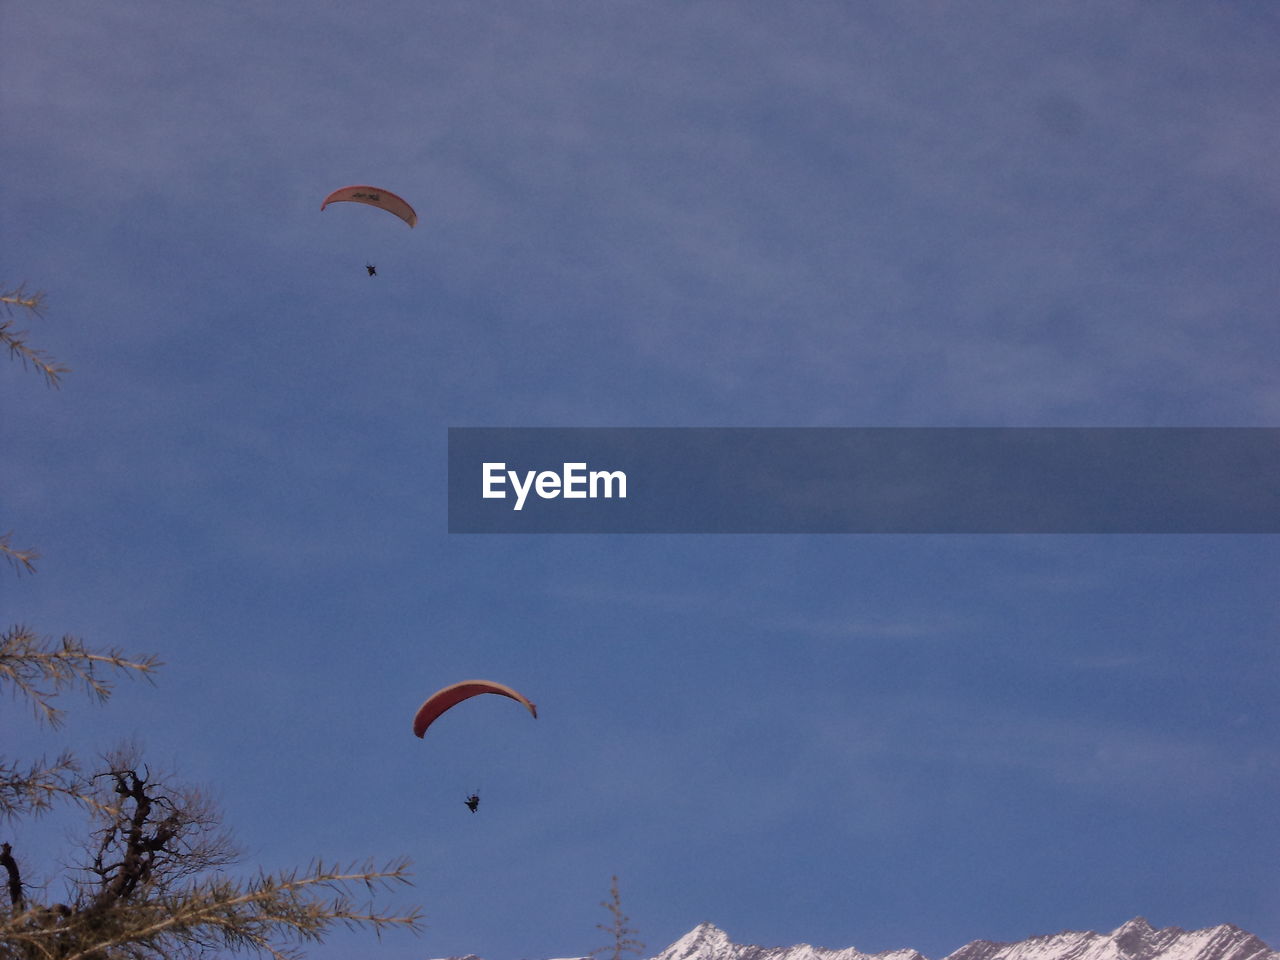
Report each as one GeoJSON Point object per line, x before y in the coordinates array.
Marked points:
{"type": "Point", "coordinates": [16, 899]}
{"type": "Point", "coordinates": [153, 886]}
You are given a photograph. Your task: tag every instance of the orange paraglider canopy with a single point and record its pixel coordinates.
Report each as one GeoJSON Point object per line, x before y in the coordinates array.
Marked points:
{"type": "Point", "coordinates": [442, 700]}
{"type": "Point", "coordinates": [375, 197]}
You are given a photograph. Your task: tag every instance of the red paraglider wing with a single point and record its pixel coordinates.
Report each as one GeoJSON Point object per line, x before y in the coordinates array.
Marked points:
{"type": "Point", "coordinates": [375, 197]}
{"type": "Point", "coordinates": [442, 700]}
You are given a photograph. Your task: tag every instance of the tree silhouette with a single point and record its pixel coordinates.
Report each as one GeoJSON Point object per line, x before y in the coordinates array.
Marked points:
{"type": "Point", "coordinates": [152, 879]}
{"type": "Point", "coordinates": [619, 928]}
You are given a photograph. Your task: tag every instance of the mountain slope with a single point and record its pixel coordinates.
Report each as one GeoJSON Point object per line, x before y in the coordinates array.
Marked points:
{"type": "Point", "coordinates": [1135, 940]}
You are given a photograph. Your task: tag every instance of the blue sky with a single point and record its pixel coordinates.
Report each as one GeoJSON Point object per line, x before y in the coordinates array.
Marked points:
{"type": "Point", "coordinates": [669, 214]}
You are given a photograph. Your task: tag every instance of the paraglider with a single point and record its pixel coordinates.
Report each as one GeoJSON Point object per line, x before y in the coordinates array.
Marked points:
{"type": "Point", "coordinates": [452, 695]}
{"type": "Point", "coordinates": [374, 197]}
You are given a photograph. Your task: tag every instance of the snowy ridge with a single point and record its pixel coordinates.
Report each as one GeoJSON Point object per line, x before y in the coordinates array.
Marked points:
{"type": "Point", "coordinates": [708, 942]}
{"type": "Point", "coordinates": [1135, 940]}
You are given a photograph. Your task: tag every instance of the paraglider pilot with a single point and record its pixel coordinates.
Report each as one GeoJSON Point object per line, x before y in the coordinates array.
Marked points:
{"type": "Point", "coordinates": [472, 802]}
{"type": "Point", "coordinates": [373, 271]}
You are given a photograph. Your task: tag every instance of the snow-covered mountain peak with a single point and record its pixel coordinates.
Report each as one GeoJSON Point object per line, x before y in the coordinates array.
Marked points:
{"type": "Point", "coordinates": [708, 942]}
{"type": "Point", "coordinates": [1138, 926]}
{"type": "Point", "coordinates": [1135, 940]}
{"type": "Point", "coordinates": [706, 939]}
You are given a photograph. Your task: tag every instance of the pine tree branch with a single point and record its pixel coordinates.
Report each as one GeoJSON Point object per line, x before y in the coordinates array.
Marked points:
{"type": "Point", "coordinates": [33, 790]}
{"type": "Point", "coordinates": [215, 914]}
{"type": "Point", "coordinates": [623, 941]}
{"type": "Point", "coordinates": [39, 669]}
{"type": "Point", "coordinates": [16, 340]}
{"type": "Point", "coordinates": [22, 560]}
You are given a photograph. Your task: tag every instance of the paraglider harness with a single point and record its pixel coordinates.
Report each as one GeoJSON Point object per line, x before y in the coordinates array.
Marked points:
{"type": "Point", "coordinates": [472, 802]}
